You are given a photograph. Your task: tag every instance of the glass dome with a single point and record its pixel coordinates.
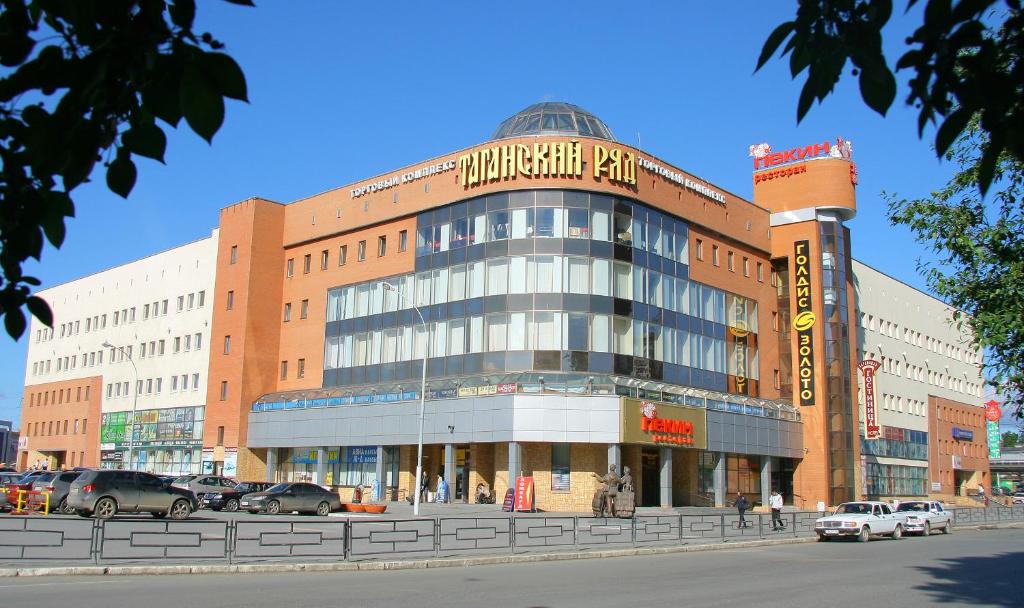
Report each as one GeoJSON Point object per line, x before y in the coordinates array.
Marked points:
{"type": "Point", "coordinates": [554, 118]}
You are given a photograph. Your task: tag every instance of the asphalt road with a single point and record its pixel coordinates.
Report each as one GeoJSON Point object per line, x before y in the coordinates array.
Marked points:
{"type": "Point", "coordinates": [977, 568]}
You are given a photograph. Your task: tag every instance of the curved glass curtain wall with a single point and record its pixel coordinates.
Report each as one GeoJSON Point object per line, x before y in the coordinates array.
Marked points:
{"type": "Point", "coordinates": [542, 281]}
{"type": "Point", "coordinates": [553, 118]}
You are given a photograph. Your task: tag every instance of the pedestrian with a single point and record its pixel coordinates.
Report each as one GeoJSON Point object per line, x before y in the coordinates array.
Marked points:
{"type": "Point", "coordinates": [775, 502]}
{"type": "Point", "coordinates": [424, 485]}
{"type": "Point", "coordinates": [742, 504]}
{"type": "Point", "coordinates": [981, 494]}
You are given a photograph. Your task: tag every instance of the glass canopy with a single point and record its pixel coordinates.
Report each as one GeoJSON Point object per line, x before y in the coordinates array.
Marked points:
{"type": "Point", "coordinates": [554, 118]}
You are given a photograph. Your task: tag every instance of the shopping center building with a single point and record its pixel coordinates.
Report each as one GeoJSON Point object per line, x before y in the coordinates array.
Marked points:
{"type": "Point", "coordinates": [576, 302]}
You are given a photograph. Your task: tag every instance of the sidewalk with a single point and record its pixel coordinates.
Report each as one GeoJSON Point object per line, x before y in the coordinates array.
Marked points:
{"type": "Point", "coordinates": [403, 510]}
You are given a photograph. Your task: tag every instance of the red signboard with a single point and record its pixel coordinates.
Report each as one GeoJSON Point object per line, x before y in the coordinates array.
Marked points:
{"type": "Point", "coordinates": [524, 494]}
{"type": "Point", "coordinates": [509, 504]}
{"type": "Point", "coordinates": [872, 430]}
{"type": "Point", "coordinates": [992, 411]}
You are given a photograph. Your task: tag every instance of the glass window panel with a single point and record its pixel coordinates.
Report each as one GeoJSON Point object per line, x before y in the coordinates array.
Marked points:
{"type": "Point", "coordinates": [460, 233]}
{"type": "Point", "coordinates": [600, 226]}
{"type": "Point", "coordinates": [497, 276]}
{"type": "Point", "coordinates": [682, 243]}
{"type": "Point", "coordinates": [376, 298]}
{"type": "Point", "coordinates": [439, 339]}
{"type": "Point", "coordinates": [576, 332]}
{"type": "Point", "coordinates": [477, 283]}
{"type": "Point", "coordinates": [390, 349]}
{"type": "Point", "coordinates": [517, 331]}
{"type": "Point", "coordinates": [654, 288]}
{"type": "Point", "coordinates": [331, 352]}
{"type": "Point", "coordinates": [406, 286]}
{"type": "Point", "coordinates": [654, 236]}
{"type": "Point", "coordinates": [718, 315]}
{"type": "Point", "coordinates": [623, 334]}
{"type": "Point", "coordinates": [497, 332]}
{"type": "Point", "coordinates": [500, 223]}
{"type": "Point", "coordinates": [548, 334]}
{"type": "Point", "coordinates": [456, 336]}
{"type": "Point", "coordinates": [391, 297]}
{"type": "Point", "coordinates": [440, 279]}
{"type": "Point", "coordinates": [682, 347]}
{"type": "Point", "coordinates": [345, 357]}
{"type": "Point", "coordinates": [752, 315]}
{"type": "Point", "coordinates": [522, 223]}
{"type": "Point", "coordinates": [457, 287]}
{"type": "Point", "coordinates": [639, 234]}
{"type": "Point", "coordinates": [579, 226]}
{"type": "Point", "coordinates": [362, 299]}
{"type": "Point", "coordinates": [639, 338]}
{"type": "Point", "coordinates": [545, 222]}
{"type": "Point", "coordinates": [600, 334]}
{"type": "Point", "coordinates": [696, 352]}
{"type": "Point", "coordinates": [424, 240]}
{"type": "Point", "coordinates": [476, 334]}
{"type": "Point", "coordinates": [668, 243]}
{"type": "Point", "coordinates": [638, 283]}
{"type": "Point", "coordinates": [348, 302]}
{"type": "Point", "coordinates": [376, 341]}
{"type": "Point", "coordinates": [478, 229]}
{"type": "Point", "coordinates": [600, 279]}
{"type": "Point", "coordinates": [578, 271]}
{"type": "Point", "coordinates": [546, 275]}
{"type": "Point", "coordinates": [423, 285]}
{"type": "Point", "coordinates": [668, 289]}
{"type": "Point", "coordinates": [708, 353]}
{"type": "Point", "coordinates": [362, 349]}
{"type": "Point", "coordinates": [444, 238]}
{"type": "Point", "coordinates": [654, 342]}
{"type": "Point", "coordinates": [420, 341]}
{"type": "Point", "coordinates": [623, 229]}
{"type": "Point", "coordinates": [517, 275]}
{"type": "Point", "coordinates": [333, 305]}
{"type": "Point", "coordinates": [623, 280]}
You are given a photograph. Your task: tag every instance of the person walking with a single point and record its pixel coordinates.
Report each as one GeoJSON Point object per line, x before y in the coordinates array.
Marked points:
{"type": "Point", "coordinates": [981, 494]}
{"type": "Point", "coordinates": [775, 502]}
{"type": "Point", "coordinates": [424, 486]}
{"type": "Point", "coordinates": [742, 504]}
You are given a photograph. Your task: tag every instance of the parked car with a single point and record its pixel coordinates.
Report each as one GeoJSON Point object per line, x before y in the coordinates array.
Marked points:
{"type": "Point", "coordinates": [860, 520]}
{"type": "Point", "coordinates": [22, 483]}
{"type": "Point", "coordinates": [108, 492]}
{"type": "Point", "coordinates": [229, 499]}
{"type": "Point", "coordinates": [1018, 498]}
{"type": "Point", "coordinates": [58, 484]}
{"type": "Point", "coordinates": [203, 484]}
{"type": "Point", "coordinates": [923, 516]}
{"type": "Point", "coordinates": [288, 497]}
{"type": "Point", "coordinates": [6, 478]}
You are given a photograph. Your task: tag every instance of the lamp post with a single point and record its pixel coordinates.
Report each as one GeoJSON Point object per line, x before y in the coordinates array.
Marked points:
{"type": "Point", "coordinates": [135, 401]}
{"type": "Point", "coordinates": [423, 398]}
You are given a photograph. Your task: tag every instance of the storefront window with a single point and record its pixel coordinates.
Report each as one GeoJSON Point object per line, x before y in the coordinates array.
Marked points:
{"type": "Point", "coordinates": [560, 467]}
{"type": "Point", "coordinates": [743, 474]}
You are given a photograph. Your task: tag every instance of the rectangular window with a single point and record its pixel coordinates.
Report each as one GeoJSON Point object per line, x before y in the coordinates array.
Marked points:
{"type": "Point", "coordinates": [227, 345]}
{"type": "Point", "coordinates": [289, 268]}
{"type": "Point", "coordinates": [220, 435]}
{"type": "Point", "coordinates": [300, 371]}
{"type": "Point", "coordinates": [560, 467]}
{"type": "Point", "coordinates": [177, 345]}
{"type": "Point", "coordinates": [145, 312]}
{"type": "Point", "coordinates": [224, 390]}
{"type": "Point", "coordinates": [287, 312]}
{"type": "Point", "coordinates": [191, 301]}
{"type": "Point", "coordinates": [231, 299]}
{"type": "Point", "coordinates": [284, 370]}
{"type": "Point", "coordinates": [149, 386]}
{"type": "Point", "coordinates": [746, 267]}
{"type": "Point", "coordinates": [199, 341]}
{"type": "Point", "coordinates": [361, 253]}
{"type": "Point", "coordinates": [195, 382]}
{"type": "Point", "coordinates": [699, 248]}
{"type": "Point", "coordinates": [304, 309]}
{"type": "Point", "coordinates": [188, 343]}
{"type": "Point", "coordinates": [760, 272]}
{"type": "Point", "coordinates": [403, 240]}
{"type": "Point", "coordinates": [159, 385]}
{"type": "Point", "coordinates": [730, 261]}
{"type": "Point", "coordinates": [234, 254]}
{"type": "Point", "coordinates": [163, 308]}
{"type": "Point", "coordinates": [202, 298]}
{"type": "Point", "coordinates": [714, 255]}
{"type": "Point", "coordinates": [382, 246]}
{"type": "Point", "coordinates": [184, 382]}
{"type": "Point", "coordinates": [181, 304]}
{"type": "Point", "coordinates": [342, 255]}
{"type": "Point", "coordinates": [324, 259]}
{"type": "Point", "coordinates": [307, 262]}
{"type": "Point", "coordinates": [174, 383]}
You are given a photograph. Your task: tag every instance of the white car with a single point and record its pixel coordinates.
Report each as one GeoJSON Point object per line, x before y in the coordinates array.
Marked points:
{"type": "Point", "coordinates": [860, 520]}
{"type": "Point", "coordinates": [1018, 498]}
{"type": "Point", "coordinates": [923, 516]}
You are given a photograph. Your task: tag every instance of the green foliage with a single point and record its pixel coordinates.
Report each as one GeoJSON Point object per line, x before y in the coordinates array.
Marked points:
{"type": "Point", "coordinates": [1010, 439]}
{"type": "Point", "coordinates": [979, 246]}
{"type": "Point", "coordinates": [87, 83]}
{"type": "Point", "coordinates": [965, 62]}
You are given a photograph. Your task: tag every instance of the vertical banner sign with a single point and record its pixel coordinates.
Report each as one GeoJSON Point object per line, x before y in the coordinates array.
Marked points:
{"type": "Point", "coordinates": [524, 493]}
{"type": "Point", "coordinates": [871, 428]}
{"type": "Point", "coordinates": [803, 322]}
{"type": "Point", "coordinates": [992, 416]}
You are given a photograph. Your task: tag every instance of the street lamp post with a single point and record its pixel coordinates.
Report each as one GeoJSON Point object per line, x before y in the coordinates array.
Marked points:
{"type": "Point", "coordinates": [423, 397]}
{"type": "Point", "coordinates": [135, 401]}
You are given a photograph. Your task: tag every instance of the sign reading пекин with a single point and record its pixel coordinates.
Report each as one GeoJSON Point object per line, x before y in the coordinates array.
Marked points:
{"type": "Point", "coordinates": [803, 322]}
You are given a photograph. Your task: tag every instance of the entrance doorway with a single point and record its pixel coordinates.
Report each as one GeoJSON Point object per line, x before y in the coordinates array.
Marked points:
{"type": "Point", "coordinates": [461, 473]}
{"type": "Point", "coordinates": [650, 475]}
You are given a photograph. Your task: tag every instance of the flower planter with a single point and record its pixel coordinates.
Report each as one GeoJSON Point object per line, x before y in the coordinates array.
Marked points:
{"type": "Point", "coordinates": [351, 507]}
{"type": "Point", "coordinates": [375, 509]}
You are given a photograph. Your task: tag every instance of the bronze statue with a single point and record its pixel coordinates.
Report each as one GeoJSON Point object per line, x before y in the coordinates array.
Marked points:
{"type": "Point", "coordinates": [604, 496]}
{"type": "Point", "coordinates": [625, 502]}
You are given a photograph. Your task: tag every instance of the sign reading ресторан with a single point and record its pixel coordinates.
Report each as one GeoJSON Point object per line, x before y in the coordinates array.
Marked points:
{"type": "Point", "coordinates": [404, 178]}
{"type": "Point", "coordinates": [682, 180]}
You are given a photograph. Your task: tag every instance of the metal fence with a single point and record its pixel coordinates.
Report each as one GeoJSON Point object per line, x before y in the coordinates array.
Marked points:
{"type": "Point", "coordinates": [75, 541]}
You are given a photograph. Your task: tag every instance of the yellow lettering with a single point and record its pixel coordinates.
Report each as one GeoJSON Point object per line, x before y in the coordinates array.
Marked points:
{"type": "Point", "coordinates": [558, 158]}
{"type": "Point", "coordinates": [575, 160]}
{"type": "Point", "coordinates": [508, 162]}
{"type": "Point", "coordinates": [600, 158]}
{"type": "Point", "coordinates": [540, 159]}
{"type": "Point", "coordinates": [463, 169]}
{"type": "Point", "coordinates": [522, 159]}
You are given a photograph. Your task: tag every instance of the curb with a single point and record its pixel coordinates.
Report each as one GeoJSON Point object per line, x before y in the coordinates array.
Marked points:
{"type": "Point", "coordinates": [450, 562]}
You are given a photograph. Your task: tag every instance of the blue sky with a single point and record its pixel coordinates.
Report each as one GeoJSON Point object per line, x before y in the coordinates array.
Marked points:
{"type": "Point", "coordinates": [342, 91]}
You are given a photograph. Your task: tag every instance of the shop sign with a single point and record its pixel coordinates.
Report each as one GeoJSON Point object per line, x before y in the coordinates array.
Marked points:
{"type": "Point", "coordinates": [936, 486]}
{"type": "Point", "coordinates": [524, 494]}
{"type": "Point", "coordinates": [404, 178]}
{"type": "Point", "coordinates": [509, 504]}
{"type": "Point", "coordinates": [468, 391]}
{"type": "Point", "coordinates": [803, 322]}
{"type": "Point", "coordinates": [872, 430]}
{"type": "Point", "coordinates": [544, 159]}
{"type": "Point", "coordinates": [300, 456]}
{"type": "Point", "coordinates": [361, 454]}
{"type": "Point", "coordinates": [994, 439]}
{"type": "Point", "coordinates": [508, 388]}
{"type": "Point", "coordinates": [663, 424]}
{"type": "Point", "coordinates": [766, 176]}
{"type": "Point", "coordinates": [682, 180]}
{"type": "Point", "coordinates": [962, 434]}
{"type": "Point", "coordinates": [764, 157]}
{"type": "Point", "coordinates": [22, 443]}
{"type": "Point", "coordinates": [332, 457]}
{"type": "Point", "coordinates": [112, 456]}
{"type": "Point", "coordinates": [740, 333]}
{"type": "Point", "coordinates": [992, 411]}
{"type": "Point", "coordinates": [207, 461]}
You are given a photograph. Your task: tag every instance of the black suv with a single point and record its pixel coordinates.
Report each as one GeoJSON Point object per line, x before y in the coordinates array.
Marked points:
{"type": "Point", "coordinates": [108, 492]}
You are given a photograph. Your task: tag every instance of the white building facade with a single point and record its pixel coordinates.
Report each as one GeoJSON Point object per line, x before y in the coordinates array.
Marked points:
{"type": "Point", "coordinates": [923, 357]}
{"type": "Point", "coordinates": [142, 332]}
